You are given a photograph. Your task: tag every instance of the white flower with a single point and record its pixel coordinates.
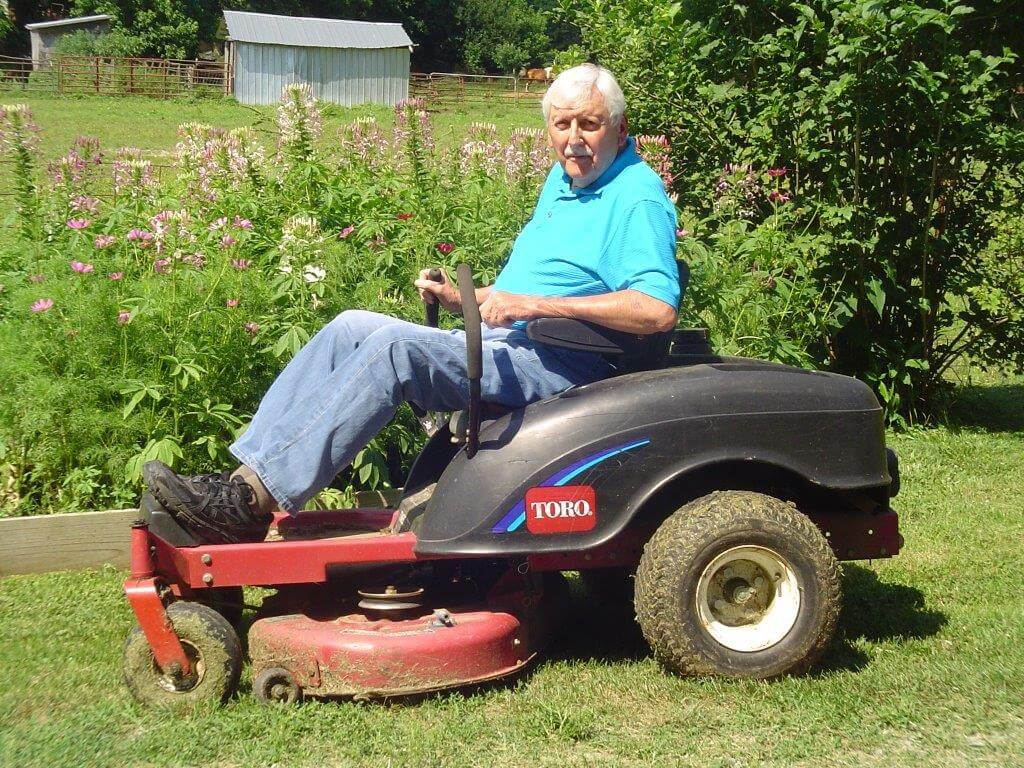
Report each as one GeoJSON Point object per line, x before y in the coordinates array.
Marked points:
{"type": "Point", "coordinates": [313, 274]}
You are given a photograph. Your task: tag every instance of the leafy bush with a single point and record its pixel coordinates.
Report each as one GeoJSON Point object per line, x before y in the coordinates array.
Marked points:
{"type": "Point", "coordinates": [895, 123]}
{"type": "Point", "coordinates": [145, 310]}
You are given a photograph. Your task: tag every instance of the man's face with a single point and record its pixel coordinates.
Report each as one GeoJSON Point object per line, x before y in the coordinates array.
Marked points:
{"type": "Point", "coordinates": [584, 139]}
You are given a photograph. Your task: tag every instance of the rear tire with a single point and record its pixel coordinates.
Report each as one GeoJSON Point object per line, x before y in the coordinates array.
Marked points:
{"type": "Point", "coordinates": [739, 584]}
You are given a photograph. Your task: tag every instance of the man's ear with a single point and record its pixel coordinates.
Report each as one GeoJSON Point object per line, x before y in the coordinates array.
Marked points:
{"type": "Point", "coordinates": [623, 131]}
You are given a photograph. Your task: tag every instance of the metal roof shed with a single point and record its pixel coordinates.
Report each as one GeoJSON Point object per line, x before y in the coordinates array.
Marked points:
{"type": "Point", "coordinates": [347, 62]}
{"type": "Point", "coordinates": [45, 34]}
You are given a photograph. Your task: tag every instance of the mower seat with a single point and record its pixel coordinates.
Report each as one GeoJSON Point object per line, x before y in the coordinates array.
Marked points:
{"type": "Point", "coordinates": [627, 352]}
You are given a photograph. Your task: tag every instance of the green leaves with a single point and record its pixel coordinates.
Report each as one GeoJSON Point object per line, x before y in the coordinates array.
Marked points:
{"type": "Point", "coordinates": [139, 390]}
{"type": "Point", "coordinates": [899, 124]}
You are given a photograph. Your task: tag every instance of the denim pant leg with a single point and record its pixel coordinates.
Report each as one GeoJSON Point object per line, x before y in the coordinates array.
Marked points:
{"type": "Point", "coordinates": [342, 389]}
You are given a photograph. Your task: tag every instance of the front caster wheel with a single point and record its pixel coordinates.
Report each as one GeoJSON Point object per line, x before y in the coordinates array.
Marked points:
{"type": "Point", "coordinates": [213, 651]}
{"type": "Point", "coordinates": [738, 584]}
{"type": "Point", "coordinates": [276, 684]}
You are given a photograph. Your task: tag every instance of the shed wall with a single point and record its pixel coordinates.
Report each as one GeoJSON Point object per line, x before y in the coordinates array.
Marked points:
{"type": "Point", "coordinates": [44, 40]}
{"type": "Point", "coordinates": [345, 76]}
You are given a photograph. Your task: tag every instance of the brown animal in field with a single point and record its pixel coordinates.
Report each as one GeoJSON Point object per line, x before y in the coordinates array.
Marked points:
{"type": "Point", "coordinates": [535, 75]}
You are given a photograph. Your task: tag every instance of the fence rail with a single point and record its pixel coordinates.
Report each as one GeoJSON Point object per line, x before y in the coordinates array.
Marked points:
{"type": "Point", "coordinates": [446, 90]}
{"type": "Point", "coordinates": [115, 76]}
{"type": "Point", "coordinates": [120, 76]}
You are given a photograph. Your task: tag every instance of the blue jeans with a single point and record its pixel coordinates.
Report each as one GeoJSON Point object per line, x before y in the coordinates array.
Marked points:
{"type": "Point", "coordinates": [348, 381]}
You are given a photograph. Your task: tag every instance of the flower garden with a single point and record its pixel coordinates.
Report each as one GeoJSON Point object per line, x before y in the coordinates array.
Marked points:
{"type": "Point", "coordinates": [146, 303]}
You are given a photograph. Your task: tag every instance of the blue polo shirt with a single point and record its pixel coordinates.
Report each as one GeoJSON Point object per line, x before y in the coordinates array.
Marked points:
{"type": "Point", "coordinates": [617, 233]}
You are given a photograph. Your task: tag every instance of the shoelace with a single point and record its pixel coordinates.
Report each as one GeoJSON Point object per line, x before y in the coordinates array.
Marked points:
{"type": "Point", "coordinates": [220, 488]}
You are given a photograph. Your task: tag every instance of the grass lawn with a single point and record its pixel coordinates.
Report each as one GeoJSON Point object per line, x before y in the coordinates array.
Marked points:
{"type": "Point", "coordinates": [927, 670]}
{"type": "Point", "coordinates": [152, 123]}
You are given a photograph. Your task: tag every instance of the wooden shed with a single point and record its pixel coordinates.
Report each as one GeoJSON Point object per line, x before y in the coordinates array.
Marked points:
{"type": "Point", "coordinates": [346, 62]}
{"type": "Point", "coordinates": [45, 34]}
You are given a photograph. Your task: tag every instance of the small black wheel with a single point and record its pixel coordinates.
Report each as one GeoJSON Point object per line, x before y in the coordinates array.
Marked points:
{"type": "Point", "coordinates": [739, 584]}
{"type": "Point", "coordinates": [214, 653]}
{"type": "Point", "coordinates": [276, 684]}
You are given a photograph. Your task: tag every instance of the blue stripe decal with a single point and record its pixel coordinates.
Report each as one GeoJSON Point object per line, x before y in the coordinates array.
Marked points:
{"type": "Point", "coordinates": [515, 517]}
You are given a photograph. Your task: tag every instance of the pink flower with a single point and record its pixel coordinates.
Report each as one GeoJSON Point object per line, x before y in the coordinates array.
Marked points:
{"type": "Point", "coordinates": [776, 173]}
{"type": "Point", "coordinates": [81, 267]}
{"type": "Point", "coordinates": [241, 223]}
{"type": "Point", "coordinates": [682, 232]}
{"type": "Point", "coordinates": [162, 266]}
{"type": "Point", "coordinates": [142, 236]}
{"type": "Point", "coordinates": [252, 328]}
{"type": "Point", "coordinates": [84, 204]}
{"type": "Point", "coordinates": [227, 241]}
{"type": "Point", "coordinates": [123, 316]}
{"type": "Point", "coordinates": [36, 278]}
{"type": "Point", "coordinates": [231, 302]}
{"type": "Point", "coordinates": [219, 223]}
{"type": "Point", "coordinates": [241, 263]}
{"type": "Point", "coordinates": [347, 231]}
{"type": "Point", "coordinates": [103, 241]}
{"type": "Point", "coordinates": [445, 248]}
{"type": "Point", "coordinates": [115, 275]}
{"type": "Point", "coordinates": [197, 260]}
{"type": "Point", "coordinates": [778, 197]}
{"type": "Point", "coordinates": [41, 305]}
{"type": "Point", "coordinates": [404, 216]}
{"type": "Point", "coordinates": [78, 223]}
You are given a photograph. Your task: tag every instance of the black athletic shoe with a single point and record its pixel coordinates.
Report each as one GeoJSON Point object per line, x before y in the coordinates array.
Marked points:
{"type": "Point", "coordinates": [216, 507]}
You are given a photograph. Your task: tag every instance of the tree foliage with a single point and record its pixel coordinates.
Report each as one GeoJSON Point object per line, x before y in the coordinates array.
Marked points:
{"type": "Point", "coordinates": [898, 124]}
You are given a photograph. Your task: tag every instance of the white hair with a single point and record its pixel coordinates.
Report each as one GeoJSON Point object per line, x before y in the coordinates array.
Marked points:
{"type": "Point", "coordinates": [575, 85]}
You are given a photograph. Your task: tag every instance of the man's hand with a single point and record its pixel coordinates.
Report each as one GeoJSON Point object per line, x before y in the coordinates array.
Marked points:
{"type": "Point", "coordinates": [444, 292]}
{"type": "Point", "coordinates": [501, 309]}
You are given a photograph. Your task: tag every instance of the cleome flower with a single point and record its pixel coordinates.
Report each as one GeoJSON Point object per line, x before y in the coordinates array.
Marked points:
{"type": "Point", "coordinates": [85, 204]}
{"type": "Point", "coordinates": [123, 316]}
{"type": "Point", "coordinates": [445, 248]}
{"type": "Point", "coordinates": [41, 305]}
{"type": "Point", "coordinates": [241, 263]}
{"type": "Point", "coordinates": [231, 303]}
{"type": "Point", "coordinates": [77, 223]}
{"type": "Point", "coordinates": [115, 275]}
{"type": "Point", "coordinates": [252, 328]}
{"type": "Point", "coordinates": [103, 241]}
{"type": "Point", "coordinates": [81, 267]}
{"type": "Point", "coordinates": [311, 273]}
{"type": "Point", "coordinates": [347, 231]}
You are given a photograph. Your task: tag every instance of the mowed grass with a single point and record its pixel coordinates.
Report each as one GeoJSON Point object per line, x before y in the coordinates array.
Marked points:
{"type": "Point", "coordinates": [927, 670]}
{"type": "Point", "coordinates": [152, 124]}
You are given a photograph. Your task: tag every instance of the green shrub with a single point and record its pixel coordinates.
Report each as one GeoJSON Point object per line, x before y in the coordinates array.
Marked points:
{"type": "Point", "coordinates": [896, 125]}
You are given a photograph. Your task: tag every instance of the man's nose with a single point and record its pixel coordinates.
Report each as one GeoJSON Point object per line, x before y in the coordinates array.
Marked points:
{"type": "Point", "coordinates": [574, 132]}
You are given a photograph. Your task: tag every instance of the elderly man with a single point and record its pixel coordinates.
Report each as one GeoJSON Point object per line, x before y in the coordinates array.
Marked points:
{"type": "Point", "coordinates": [600, 247]}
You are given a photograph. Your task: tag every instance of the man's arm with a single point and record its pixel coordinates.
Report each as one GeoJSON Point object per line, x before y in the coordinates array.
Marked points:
{"type": "Point", "coordinates": [628, 310]}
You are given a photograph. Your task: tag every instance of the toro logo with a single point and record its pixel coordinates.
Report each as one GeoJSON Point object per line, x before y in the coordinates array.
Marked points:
{"type": "Point", "coordinates": [564, 509]}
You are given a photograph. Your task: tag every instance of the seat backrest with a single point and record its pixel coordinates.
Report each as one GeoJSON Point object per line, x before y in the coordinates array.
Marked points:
{"type": "Point", "coordinates": [627, 352]}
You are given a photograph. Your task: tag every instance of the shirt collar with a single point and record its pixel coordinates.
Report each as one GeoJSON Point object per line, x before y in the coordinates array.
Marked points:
{"type": "Point", "coordinates": [626, 157]}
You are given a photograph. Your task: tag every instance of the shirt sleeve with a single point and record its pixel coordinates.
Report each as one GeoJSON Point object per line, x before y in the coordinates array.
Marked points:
{"type": "Point", "coordinates": [642, 254]}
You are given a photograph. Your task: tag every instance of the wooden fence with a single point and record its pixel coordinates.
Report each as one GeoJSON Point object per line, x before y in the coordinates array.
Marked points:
{"type": "Point", "coordinates": [452, 90]}
{"type": "Point", "coordinates": [116, 76]}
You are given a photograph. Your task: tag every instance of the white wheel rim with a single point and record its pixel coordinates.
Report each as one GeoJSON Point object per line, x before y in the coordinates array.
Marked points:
{"type": "Point", "coordinates": [748, 598]}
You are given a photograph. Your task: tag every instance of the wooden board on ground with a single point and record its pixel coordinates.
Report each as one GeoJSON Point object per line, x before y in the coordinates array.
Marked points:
{"type": "Point", "coordinates": [63, 542]}
{"type": "Point", "coordinates": [42, 543]}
